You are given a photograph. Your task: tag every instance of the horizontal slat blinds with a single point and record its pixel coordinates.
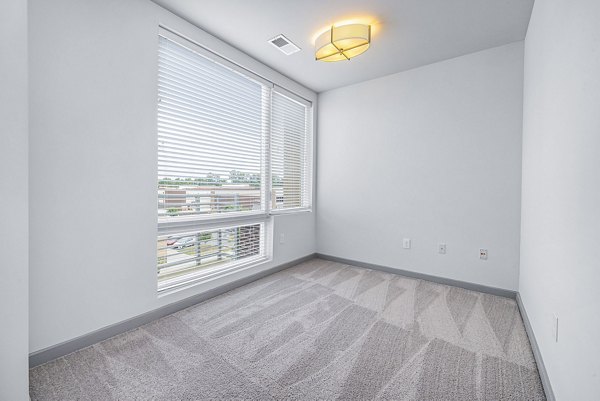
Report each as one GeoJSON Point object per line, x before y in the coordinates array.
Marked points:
{"type": "Point", "coordinates": [227, 138]}
{"type": "Point", "coordinates": [212, 125]}
{"type": "Point", "coordinates": [290, 153]}
{"type": "Point", "coordinates": [199, 252]}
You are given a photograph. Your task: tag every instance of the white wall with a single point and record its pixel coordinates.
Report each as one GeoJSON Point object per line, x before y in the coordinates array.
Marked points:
{"type": "Point", "coordinates": [432, 154]}
{"type": "Point", "coordinates": [14, 373]}
{"type": "Point", "coordinates": [93, 165]}
{"type": "Point", "coordinates": [560, 273]}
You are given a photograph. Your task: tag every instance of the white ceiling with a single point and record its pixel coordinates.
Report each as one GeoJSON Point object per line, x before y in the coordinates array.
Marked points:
{"type": "Point", "coordinates": [406, 33]}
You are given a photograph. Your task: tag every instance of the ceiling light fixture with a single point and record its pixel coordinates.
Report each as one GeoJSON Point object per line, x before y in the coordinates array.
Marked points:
{"type": "Point", "coordinates": [342, 42]}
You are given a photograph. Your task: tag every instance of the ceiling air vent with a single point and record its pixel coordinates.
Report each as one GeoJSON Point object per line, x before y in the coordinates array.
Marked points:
{"type": "Point", "coordinates": [284, 44]}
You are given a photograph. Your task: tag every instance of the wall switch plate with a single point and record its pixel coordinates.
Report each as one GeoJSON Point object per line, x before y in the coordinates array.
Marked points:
{"type": "Point", "coordinates": [483, 254]}
{"type": "Point", "coordinates": [555, 326]}
{"type": "Point", "coordinates": [406, 243]}
{"type": "Point", "coordinates": [282, 238]}
{"type": "Point", "coordinates": [442, 247]}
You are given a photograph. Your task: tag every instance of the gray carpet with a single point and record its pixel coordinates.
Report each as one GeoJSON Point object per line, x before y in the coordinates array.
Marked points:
{"type": "Point", "coordinates": [317, 331]}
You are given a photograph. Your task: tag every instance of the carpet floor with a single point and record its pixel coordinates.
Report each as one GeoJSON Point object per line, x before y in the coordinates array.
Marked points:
{"type": "Point", "coordinates": [317, 331]}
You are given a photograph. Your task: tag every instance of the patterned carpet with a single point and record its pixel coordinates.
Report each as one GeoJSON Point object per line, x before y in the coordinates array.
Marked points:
{"type": "Point", "coordinates": [317, 331]}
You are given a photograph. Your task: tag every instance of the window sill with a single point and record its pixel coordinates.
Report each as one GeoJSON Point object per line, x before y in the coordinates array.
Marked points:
{"type": "Point", "coordinates": [178, 284]}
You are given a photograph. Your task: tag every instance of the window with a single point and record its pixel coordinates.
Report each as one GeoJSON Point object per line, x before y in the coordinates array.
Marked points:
{"type": "Point", "coordinates": [191, 254]}
{"type": "Point", "coordinates": [290, 155]}
{"type": "Point", "coordinates": [232, 149]}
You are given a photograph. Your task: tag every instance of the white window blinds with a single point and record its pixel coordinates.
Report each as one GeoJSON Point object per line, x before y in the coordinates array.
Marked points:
{"type": "Point", "coordinates": [212, 130]}
{"type": "Point", "coordinates": [290, 153]}
{"type": "Point", "coordinates": [232, 148]}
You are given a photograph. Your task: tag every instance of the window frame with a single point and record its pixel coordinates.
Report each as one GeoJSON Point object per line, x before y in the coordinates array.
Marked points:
{"type": "Point", "coordinates": [309, 154]}
{"type": "Point", "coordinates": [174, 284]}
{"type": "Point", "coordinates": [178, 224]}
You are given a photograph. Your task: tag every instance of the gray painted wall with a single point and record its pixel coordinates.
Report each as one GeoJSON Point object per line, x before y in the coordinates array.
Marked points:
{"type": "Point", "coordinates": [14, 375]}
{"type": "Point", "coordinates": [560, 232]}
{"type": "Point", "coordinates": [432, 154]}
{"type": "Point", "coordinates": [93, 166]}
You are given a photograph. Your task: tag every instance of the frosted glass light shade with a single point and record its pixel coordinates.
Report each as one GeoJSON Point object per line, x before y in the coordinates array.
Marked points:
{"type": "Point", "coordinates": [343, 42]}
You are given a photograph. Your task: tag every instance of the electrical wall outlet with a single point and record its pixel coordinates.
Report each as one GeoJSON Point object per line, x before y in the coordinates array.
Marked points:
{"type": "Point", "coordinates": [282, 238]}
{"type": "Point", "coordinates": [483, 254]}
{"type": "Point", "coordinates": [442, 247]}
{"type": "Point", "coordinates": [406, 243]}
{"type": "Point", "coordinates": [555, 327]}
